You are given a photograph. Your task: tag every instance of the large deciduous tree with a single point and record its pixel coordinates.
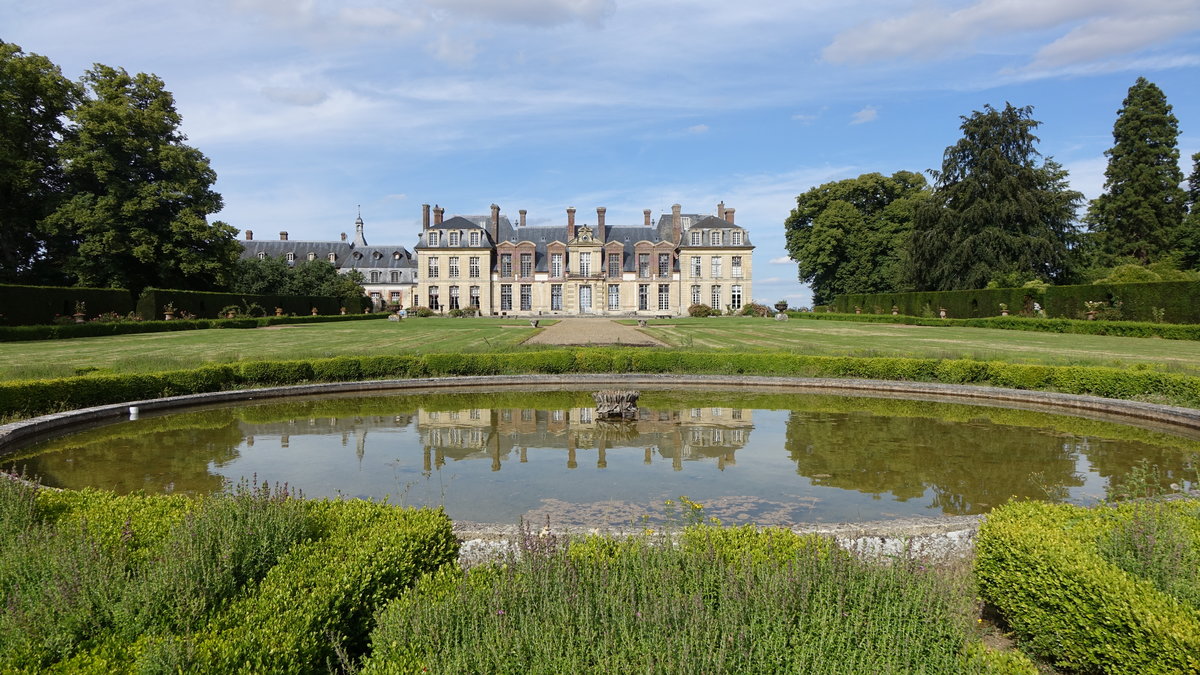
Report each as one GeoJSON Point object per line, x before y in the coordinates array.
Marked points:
{"type": "Point", "coordinates": [850, 236]}
{"type": "Point", "coordinates": [996, 211]}
{"type": "Point", "coordinates": [1140, 212]}
{"type": "Point", "coordinates": [34, 100]}
{"type": "Point", "coordinates": [140, 197]}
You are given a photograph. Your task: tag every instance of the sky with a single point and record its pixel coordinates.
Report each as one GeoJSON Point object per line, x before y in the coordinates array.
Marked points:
{"type": "Point", "coordinates": [311, 109]}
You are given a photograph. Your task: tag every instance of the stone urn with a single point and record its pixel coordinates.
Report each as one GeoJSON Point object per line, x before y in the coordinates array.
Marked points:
{"type": "Point", "coordinates": [858, 310]}
{"type": "Point", "coordinates": [895, 310]}
{"type": "Point", "coordinates": [1004, 312]}
{"type": "Point", "coordinates": [314, 311]}
{"type": "Point", "coordinates": [533, 322]}
{"type": "Point", "coordinates": [942, 312]}
{"type": "Point", "coordinates": [641, 323]}
{"type": "Point", "coordinates": [278, 311]}
{"type": "Point", "coordinates": [343, 311]}
{"type": "Point", "coordinates": [1091, 315]}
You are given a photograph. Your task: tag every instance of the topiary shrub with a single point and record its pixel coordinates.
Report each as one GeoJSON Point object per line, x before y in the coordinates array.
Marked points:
{"type": "Point", "coordinates": [701, 311]}
{"type": "Point", "coordinates": [755, 309]}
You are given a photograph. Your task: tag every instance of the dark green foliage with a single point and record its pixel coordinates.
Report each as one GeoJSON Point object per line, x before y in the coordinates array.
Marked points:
{"type": "Point", "coordinates": [730, 601]}
{"type": "Point", "coordinates": [34, 99]}
{"type": "Point", "coordinates": [139, 197]}
{"type": "Point", "coordinates": [995, 211]}
{"type": "Point", "coordinates": [33, 305]}
{"type": "Point", "coordinates": [208, 304]}
{"type": "Point", "coordinates": [1160, 545]}
{"type": "Point", "coordinates": [1187, 243]}
{"type": "Point", "coordinates": [1140, 213]}
{"type": "Point", "coordinates": [850, 236]}
{"type": "Point", "coordinates": [1077, 326]}
{"type": "Point", "coordinates": [274, 276]}
{"type": "Point", "coordinates": [1040, 565]}
{"type": "Point", "coordinates": [980, 302]}
{"type": "Point", "coordinates": [96, 328]}
{"type": "Point", "coordinates": [701, 311]}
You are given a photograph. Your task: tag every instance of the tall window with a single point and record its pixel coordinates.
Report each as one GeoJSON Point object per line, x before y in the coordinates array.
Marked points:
{"type": "Point", "coordinates": [433, 298]}
{"type": "Point", "coordinates": [395, 277]}
{"type": "Point", "coordinates": [716, 238]}
{"type": "Point", "coordinates": [716, 267]}
{"type": "Point", "coordinates": [664, 264]}
{"type": "Point", "coordinates": [735, 238]}
{"type": "Point", "coordinates": [453, 267]}
{"type": "Point", "coordinates": [474, 237]}
{"type": "Point", "coordinates": [614, 265]}
{"type": "Point", "coordinates": [526, 264]}
{"type": "Point", "coordinates": [506, 297]}
{"type": "Point", "coordinates": [474, 295]}
{"type": "Point", "coordinates": [614, 296]}
{"type": "Point", "coordinates": [716, 298]}
{"type": "Point", "coordinates": [556, 297]}
{"type": "Point", "coordinates": [696, 294]}
{"type": "Point", "coordinates": [332, 257]}
{"type": "Point", "coordinates": [374, 277]}
{"type": "Point", "coordinates": [643, 296]}
{"type": "Point", "coordinates": [585, 264]}
{"type": "Point", "coordinates": [664, 297]}
{"type": "Point", "coordinates": [643, 265]}
{"type": "Point", "coordinates": [395, 298]}
{"type": "Point", "coordinates": [473, 266]}
{"type": "Point", "coordinates": [454, 297]}
{"type": "Point", "coordinates": [556, 265]}
{"type": "Point", "coordinates": [433, 238]}
{"type": "Point", "coordinates": [526, 297]}
{"type": "Point", "coordinates": [696, 238]}
{"type": "Point", "coordinates": [735, 265]}
{"type": "Point", "coordinates": [291, 257]}
{"type": "Point", "coordinates": [695, 266]}
{"type": "Point", "coordinates": [432, 267]}
{"type": "Point", "coordinates": [454, 238]}
{"type": "Point", "coordinates": [506, 264]}
{"type": "Point", "coordinates": [735, 296]}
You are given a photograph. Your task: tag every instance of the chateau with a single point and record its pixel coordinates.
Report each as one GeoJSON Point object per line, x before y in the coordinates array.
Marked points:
{"type": "Point", "coordinates": [502, 269]}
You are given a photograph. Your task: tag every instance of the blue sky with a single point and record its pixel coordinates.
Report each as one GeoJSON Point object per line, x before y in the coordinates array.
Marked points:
{"type": "Point", "coordinates": [309, 108]}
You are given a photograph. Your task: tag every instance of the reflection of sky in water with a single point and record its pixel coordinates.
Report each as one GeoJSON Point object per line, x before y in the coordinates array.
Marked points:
{"type": "Point", "coordinates": [500, 464]}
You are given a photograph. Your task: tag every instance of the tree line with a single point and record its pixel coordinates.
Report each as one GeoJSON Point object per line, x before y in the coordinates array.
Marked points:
{"type": "Point", "coordinates": [99, 188]}
{"type": "Point", "coordinates": [999, 214]}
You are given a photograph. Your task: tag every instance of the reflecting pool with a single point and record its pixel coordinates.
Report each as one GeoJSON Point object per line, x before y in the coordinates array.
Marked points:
{"type": "Point", "coordinates": [499, 457]}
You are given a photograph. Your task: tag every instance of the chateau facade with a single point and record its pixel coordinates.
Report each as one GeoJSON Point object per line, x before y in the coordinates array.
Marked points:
{"type": "Point", "coordinates": [502, 269]}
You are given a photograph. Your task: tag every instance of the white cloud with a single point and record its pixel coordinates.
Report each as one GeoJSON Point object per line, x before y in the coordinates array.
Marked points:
{"type": "Point", "coordinates": [532, 12]}
{"type": "Point", "coordinates": [805, 119]}
{"type": "Point", "coordinates": [867, 114]}
{"type": "Point", "coordinates": [782, 260]}
{"type": "Point", "coordinates": [1095, 29]}
{"type": "Point", "coordinates": [698, 129]}
{"type": "Point", "coordinates": [295, 95]}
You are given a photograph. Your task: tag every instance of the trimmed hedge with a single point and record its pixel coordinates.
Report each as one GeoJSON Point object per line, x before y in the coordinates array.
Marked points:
{"type": "Point", "coordinates": [96, 328]}
{"type": "Point", "coordinates": [1165, 331]}
{"type": "Point", "coordinates": [28, 305]}
{"type": "Point", "coordinates": [1179, 301]}
{"type": "Point", "coordinates": [1039, 565]}
{"type": "Point", "coordinates": [208, 305]}
{"type": "Point", "coordinates": [32, 397]}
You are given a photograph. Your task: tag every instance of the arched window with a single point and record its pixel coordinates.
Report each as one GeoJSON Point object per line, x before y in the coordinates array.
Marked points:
{"type": "Point", "coordinates": [332, 257]}
{"type": "Point", "coordinates": [291, 257]}
{"type": "Point", "coordinates": [312, 256]}
{"type": "Point", "coordinates": [262, 256]}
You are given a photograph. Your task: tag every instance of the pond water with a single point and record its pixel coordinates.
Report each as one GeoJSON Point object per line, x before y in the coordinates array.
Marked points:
{"type": "Point", "coordinates": [499, 457]}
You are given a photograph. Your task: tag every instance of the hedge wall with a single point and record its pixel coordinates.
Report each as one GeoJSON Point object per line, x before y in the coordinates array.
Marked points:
{"type": "Point", "coordinates": [97, 328]}
{"type": "Point", "coordinates": [26, 305]}
{"type": "Point", "coordinates": [207, 305]}
{"type": "Point", "coordinates": [1178, 300]}
{"type": "Point", "coordinates": [1077, 326]}
{"type": "Point", "coordinates": [32, 397]}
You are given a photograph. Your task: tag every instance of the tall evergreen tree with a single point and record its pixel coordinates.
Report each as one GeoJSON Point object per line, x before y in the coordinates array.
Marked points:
{"type": "Point", "coordinates": [850, 236]}
{"type": "Point", "coordinates": [1140, 212]}
{"type": "Point", "coordinates": [34, 100]}
{"type": "Point", "coordinates": [1187, 244]}
{"type": "Point", "coordinates": [140, 196]}
{"type": "Point", "coordinates": [995, 211]}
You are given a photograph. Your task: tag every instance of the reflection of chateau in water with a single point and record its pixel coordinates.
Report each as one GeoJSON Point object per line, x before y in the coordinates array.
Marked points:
{"type": "Point", "coordinates": [352, 429]}
{"type": "Point", "coordinates": [502, 433]}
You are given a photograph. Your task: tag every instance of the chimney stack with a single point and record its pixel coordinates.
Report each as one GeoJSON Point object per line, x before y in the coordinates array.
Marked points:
{"type": "Point", "coordinates": [523, 212]}
{"type": "Point", "coordinates": [424, 216]}
{"type": "Point", "coordinates": [646, 215]}
{"type": "Point", "coordinates": [600, 210]}
{"type": "Point", "coordinates": [438, 213]}
{"type": "Point", "coordinates": [729, 215]}
{"type": "Point", "coordinates": [570, 223]}
{"type": "Point", "coordinates": [495, 222]}
{"type": "Point", "coordinates": [676, 223]}
{"type": "Point", "coordinates": [343, 236]}
{"type": "Point", "coordinates": [283, 235]}
{"type": "Point", "coordinates": [249, 235]}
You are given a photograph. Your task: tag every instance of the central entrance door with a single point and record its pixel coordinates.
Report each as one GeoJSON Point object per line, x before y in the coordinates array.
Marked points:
{"type": "Point", "coordinates": [585, 299]}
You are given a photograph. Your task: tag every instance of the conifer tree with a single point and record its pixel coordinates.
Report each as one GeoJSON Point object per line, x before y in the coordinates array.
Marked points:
{"type": "Point", "coordinates": [1187, 244]}
{"type": "Point", "coordinates": [1141, 211]}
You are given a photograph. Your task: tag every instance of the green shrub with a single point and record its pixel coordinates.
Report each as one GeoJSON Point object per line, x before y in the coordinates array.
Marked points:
{"type": "Point", "coordinates": [701, 311]}
{"type": "Point", "coordinates": [755, 309]}
{"type": "Point", "coordinates": [1039, 565]}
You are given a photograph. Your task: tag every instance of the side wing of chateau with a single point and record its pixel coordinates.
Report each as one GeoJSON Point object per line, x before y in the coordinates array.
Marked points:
{"type": "Point", "coordinates": [502, 269]}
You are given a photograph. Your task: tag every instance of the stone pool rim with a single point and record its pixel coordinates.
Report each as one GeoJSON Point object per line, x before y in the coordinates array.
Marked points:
{"type": "Point", "coordinates": [17, 434]}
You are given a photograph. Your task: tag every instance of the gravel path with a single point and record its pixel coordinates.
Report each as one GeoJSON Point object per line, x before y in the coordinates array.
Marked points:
{"type": "Point", "coordinates": [581, 331]}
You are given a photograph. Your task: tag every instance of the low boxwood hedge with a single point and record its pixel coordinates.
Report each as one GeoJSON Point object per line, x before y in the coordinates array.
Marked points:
{"type": "Point", "coordinates": [1166, 331]}
{"type": "Point", "coordinates": [1039, 564]}
{"type": "Point", "coordinates": [97, 328]}
{"type": "Point", "coordinates": [32, 397]}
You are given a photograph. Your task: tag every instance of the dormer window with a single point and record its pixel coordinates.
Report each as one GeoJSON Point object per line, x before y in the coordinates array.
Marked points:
{"type": "Point", "coordinates": [736, 238]}
{"type": "Point", "coordinates": [291, 257]}
{"type": "Point", "coordinates": [475, 238]}
{"type": "Point", "coordinates": [332, 257]}
{"type": "Point", "coordinates": [433, 238]}
{"type": "Point", "coordinates": [454, 238]}
{"type": "Point", "coordinates": [395, 255]}
{"type": "Point", "coordinates": [377, 255]}
{"type": "Point", "coordinates": [357, 255]}
{"type": "Point", "coordinates": [686, 221]}
{"type": "Point", "coordinates": [262, 256]}
{"type": "Point", "coordinates": [312, 256]}
{"type": "Point", "coordinates": [695, 239]}
{"type": "Point", "coordinates": [716, 238]}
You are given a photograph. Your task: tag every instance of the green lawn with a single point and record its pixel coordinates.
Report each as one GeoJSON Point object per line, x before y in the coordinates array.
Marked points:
{"type": "Point", "coordinates": [872, 339]}
{"type": "Point", "coordinates": [164, 351]}
{"type": "Point", "coordinates": [185, 349]}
